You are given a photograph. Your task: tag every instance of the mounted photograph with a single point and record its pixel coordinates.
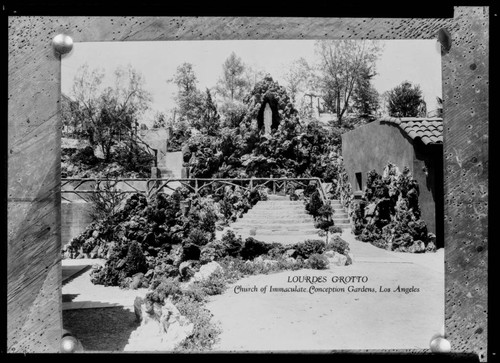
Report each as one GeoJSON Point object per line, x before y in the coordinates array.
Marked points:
{"type": "Point", "coordinates": [252, 196]}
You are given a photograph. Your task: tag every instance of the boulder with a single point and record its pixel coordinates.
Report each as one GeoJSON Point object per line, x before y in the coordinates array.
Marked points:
{"type": "Point", "coordinates": [95, 234]}
{"type": "Point", "coordinates": [185, 269]}
{"type": "Point", "coordinates": [370, 210]}
{"type": "Point", "coordinates": [339, 259]}
{"type": "Point", "coordinates": [290, 253]}
{"type": "Point", "coordinates": [162, 327]}
{"type": "Point", "coordinates": [136, 281]}
{"type": "Point", "coordinates": [206, 271]}
{"type": "Point", "coordinates": [120, 264]}
{"type": "Point", "coordinates": [94, 253]}
{"type": "Point", "coordinates": [137, 308]}
{"type": "Point", "coordinates": [176, 326]}
{"type": "Point", "coordinates": [419, 246]}
{"type": "Point", "coordinates": [329, 254]}
{"type": "Point", "coordinates": [431, 247]}
{"type": "Point", "coordinates": [270, 262]}
{"type": "Point", "coordinates": [149, 275]}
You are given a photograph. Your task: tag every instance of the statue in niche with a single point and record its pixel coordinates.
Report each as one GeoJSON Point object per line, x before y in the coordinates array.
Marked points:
{"type": "Point", "coordinates": [268, 119]}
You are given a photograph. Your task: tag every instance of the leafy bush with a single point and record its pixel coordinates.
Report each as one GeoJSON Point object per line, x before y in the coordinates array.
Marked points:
{"type": "Point", "coordinates": [214, 285]}
{"type": "Point", "coordinates": [309, 247]}
{"type": "Point", "coordinates": [318, 261]}
{"type": "Point", "coordinates": [198, 237]}
{"type": "Point", "coordinates": [314, 205]}
{"type": "Point", "coordinates": [134, 158]}
{"type": "Point", "coordinates": [85, 156]}
{"type": "Point", "coordinates": [338, 245]}
{"type": "Point", "coordinates": [205, 332]}
{"type": "Point", "coordinates": [335, 229]}
{"type": "Point", "coordinates": [105, 201]}
{"type": "Point", "coordinates": [253, 248]}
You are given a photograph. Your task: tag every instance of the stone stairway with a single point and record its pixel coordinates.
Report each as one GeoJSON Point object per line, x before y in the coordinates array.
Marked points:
{"type": "Point", "coordinates": [277, 219]}
{"type": "Point", "coordinates": [340, 216]}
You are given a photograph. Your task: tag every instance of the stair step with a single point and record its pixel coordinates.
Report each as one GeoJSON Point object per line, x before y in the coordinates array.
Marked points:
{"type": "Point", "coordinates": [259, 221]}
{"type": "Point", "coordinates": [268, 232]}
{"type": "Point", "coordinates": [278, 217]}
{"type": "Point", "coordinates": [275, 207]}
{"type": "Point", "coordinates": [341, 221]}
{"type": "Point", "coordinates": [340, 215]}
{"type": "Point", "coordinates": [295, 226]}
{"type": "Point", "coordinates": [343, 225]}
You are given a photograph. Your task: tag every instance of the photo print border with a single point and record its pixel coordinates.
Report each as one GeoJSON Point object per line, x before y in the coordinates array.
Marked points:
{"type": "Point", "coordinates": [34, 138]}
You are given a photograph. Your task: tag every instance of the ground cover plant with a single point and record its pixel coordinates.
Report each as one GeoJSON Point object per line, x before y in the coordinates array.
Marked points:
{"type": "Point", "coordinates": [389, 214]}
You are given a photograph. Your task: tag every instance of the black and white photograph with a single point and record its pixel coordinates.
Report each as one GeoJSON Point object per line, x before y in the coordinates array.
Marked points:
{"type": "Point", "coordinates": [253, 195]}
{"type": "Point", "coordinates": [258, 184]}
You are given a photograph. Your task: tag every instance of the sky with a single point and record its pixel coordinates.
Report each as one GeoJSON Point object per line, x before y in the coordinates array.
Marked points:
{"type": "Point", "coordinates": [418, 61]}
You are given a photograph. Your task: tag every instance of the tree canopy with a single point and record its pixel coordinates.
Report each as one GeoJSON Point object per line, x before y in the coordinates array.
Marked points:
{"type": "Point", "coordinates": [405, 100]}
{"type": "Point", "coordinates": [111, 112]}
{"type": "Point", "coordinates": [233, 83]}
{"type": "Point", "coordinates": [344, 64]}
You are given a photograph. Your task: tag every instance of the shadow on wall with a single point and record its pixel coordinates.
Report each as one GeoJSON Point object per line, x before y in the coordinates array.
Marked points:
{"type": "Point", "coordinates": [101, 329]}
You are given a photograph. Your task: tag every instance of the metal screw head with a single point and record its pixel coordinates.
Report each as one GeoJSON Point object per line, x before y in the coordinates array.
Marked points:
{"type": "Point", "coordinates": [69, 344]}
{"type": "Point", "coordinates": [62, 43]}
{"type": "Point", "coordinates": [440, 345]}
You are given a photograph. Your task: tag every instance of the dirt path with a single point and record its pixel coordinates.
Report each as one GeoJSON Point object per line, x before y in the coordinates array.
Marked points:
{"type": "Point", "coordinates": [291, 321]}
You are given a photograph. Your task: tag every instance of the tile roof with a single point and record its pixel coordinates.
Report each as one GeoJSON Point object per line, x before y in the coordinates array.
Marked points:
{"type": "Point", "coordinates": [428, 129]}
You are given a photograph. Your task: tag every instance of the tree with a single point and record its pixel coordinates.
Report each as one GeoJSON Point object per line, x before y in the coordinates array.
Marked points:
{"type": "Point", "coordinates": [209, 122]}
{"type": "Point", "coordinates": [365, 96]}
{"type": "Point", "coordinates": [405, 100]}
{"type": "Point", "coordinates": [189, 99]}
{"type": "Point", "coordinates": [159, 120]}
{"type": "Point", "coordinates": [233, 83]}
{"type": "Point", "coordinates": [109, 113]}
{"type": "Point", "coordinates": [342, 65]}
{"type": "Point", "coordinates": [253, 74]}
{"type": "Point", "coordinates": [297, 77]}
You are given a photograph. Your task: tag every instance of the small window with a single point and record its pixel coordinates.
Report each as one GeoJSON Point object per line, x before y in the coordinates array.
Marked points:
{"type": "Point", "coordinates": [359, 181]}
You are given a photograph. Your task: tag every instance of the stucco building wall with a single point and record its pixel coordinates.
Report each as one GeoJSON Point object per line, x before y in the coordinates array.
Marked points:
{"type": "Point", "coordinates": [374, 145]}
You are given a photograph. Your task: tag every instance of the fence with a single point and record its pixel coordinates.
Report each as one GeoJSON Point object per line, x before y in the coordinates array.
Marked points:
{"type": "Point", "coordinates": [83, 187]}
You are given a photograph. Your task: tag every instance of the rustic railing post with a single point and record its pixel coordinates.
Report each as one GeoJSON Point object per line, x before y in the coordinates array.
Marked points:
{"type": "Point", "coordinates": [274, 186]}
{"type": "Point", "coordinates": [196, 186]}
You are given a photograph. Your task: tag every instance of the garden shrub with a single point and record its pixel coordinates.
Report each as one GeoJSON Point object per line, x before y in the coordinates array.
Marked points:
{"type": "Point", "coordinates": [205, 332]}
{"type": "Point", "coordinates": [313, 206]}
{"type": "Point", "coordinates": [232, 243]}
{"type": "Point", "coordinates": [318, 261]}
{"type": "Point", "coordinates": [338, 245]}
{"type": "Point", "coordinates": [309, 247]}
{"type": "Point", "coordinates": [253, 248]}
{"type": "Point", "coordinates": [335, 229]}
{"type": "Point", "coordinates": [85, 156]}
{"type": "Point", "coordinates": [198, 237]}
{"type": "Point", "coordinates": [134, 158]}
